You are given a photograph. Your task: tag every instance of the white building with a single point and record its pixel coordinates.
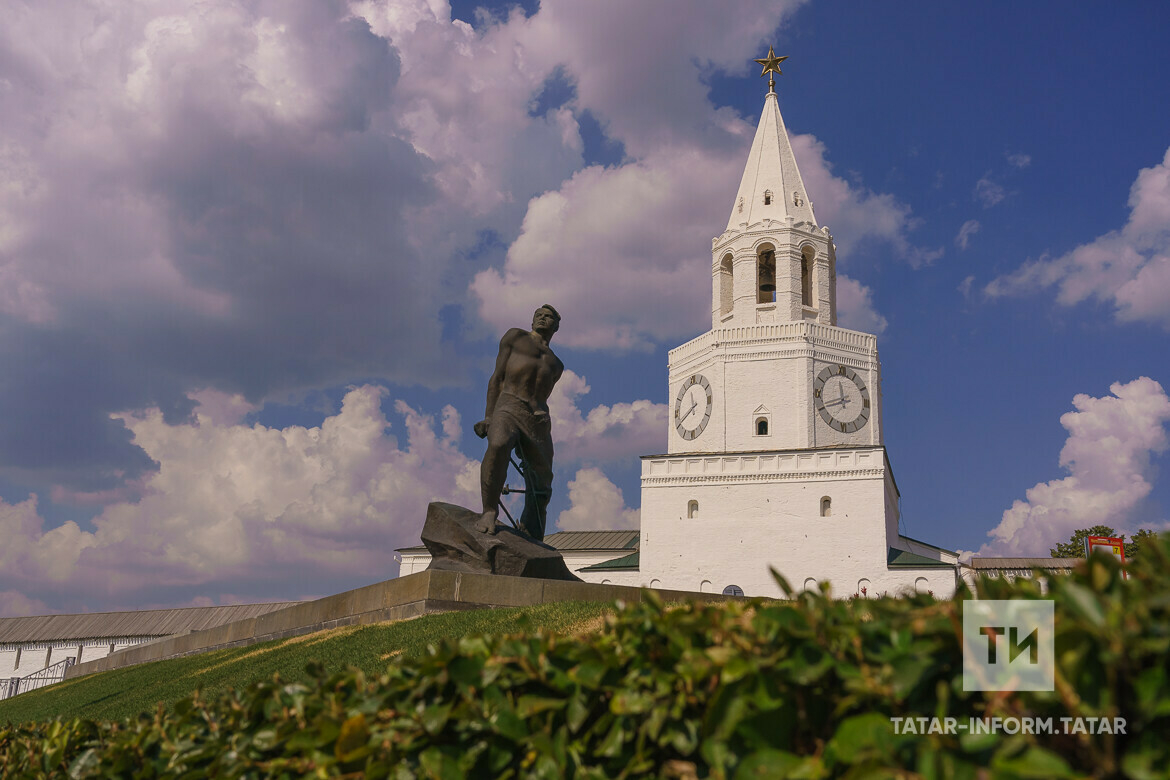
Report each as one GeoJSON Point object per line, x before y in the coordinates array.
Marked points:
{"type": "Point", "coordinates": [31, 645]}
{"type": "Point", "coordinates": [775, 457]}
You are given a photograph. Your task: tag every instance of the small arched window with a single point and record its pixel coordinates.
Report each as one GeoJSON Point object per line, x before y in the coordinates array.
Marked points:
{"type": "Point", "coordinates": [766, 276]}
{"type": "Point", "coordinates": [692, 509]}
{"type": "Point", "coordinates": [733, 590]}
{"type": "Point", "coordinates": [921, 585]}
{"type": "Point", "coordinates": [826, 506]}
{"type": "Point", "coordinates": [767, 197]}
{"type": "Point", "coordinates": [863, 588]}
{"type": "Point", "coordinates": [810, 584]}
{"type": "Point", "coordinates": [806, 264]}
{"type": "Point", "coordinates": [726, 286]}
{"type": "Point", "coordinates": [762, 426]}
{"type": "Point", "coordinates": [705, 586]}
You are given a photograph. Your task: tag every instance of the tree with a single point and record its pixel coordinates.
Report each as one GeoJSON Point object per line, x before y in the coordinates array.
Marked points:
{"type": "Point", "coordinates": [1075, 546]}
{"type": "Point", "coordinates": [1140, 538]}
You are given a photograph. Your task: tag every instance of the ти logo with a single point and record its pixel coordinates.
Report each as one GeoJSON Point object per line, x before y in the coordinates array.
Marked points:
{"type": "Point", "coordinates": [1008, 645]}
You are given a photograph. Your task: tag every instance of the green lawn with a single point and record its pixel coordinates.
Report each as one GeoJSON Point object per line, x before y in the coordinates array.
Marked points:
{"type": "Point", "coordinates": [127, 692]}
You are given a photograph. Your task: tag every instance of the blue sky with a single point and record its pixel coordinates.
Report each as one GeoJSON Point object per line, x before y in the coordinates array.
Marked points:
{"type": "Point", "coordinates": [255, 258]}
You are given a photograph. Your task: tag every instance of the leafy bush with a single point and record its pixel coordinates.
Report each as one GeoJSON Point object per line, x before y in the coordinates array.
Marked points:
{"type": "Point", "coordinates": [804, 688]}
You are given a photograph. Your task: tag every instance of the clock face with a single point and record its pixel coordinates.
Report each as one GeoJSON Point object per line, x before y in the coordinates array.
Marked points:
{"type": "Point", "coordinates": [692, 407]}
{"type": "Point", "coordinates": [841, 398]}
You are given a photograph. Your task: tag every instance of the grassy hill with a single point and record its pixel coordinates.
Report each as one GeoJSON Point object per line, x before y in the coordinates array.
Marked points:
{"type": "Point", "coordinates": [127, 692]}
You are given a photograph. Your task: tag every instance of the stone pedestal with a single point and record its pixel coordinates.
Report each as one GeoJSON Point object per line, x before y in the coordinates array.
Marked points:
{"type": "Point", "coordinates": [455, 545]}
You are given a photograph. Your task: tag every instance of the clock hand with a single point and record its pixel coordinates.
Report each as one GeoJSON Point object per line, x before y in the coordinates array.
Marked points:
{"type": "Point", "coordinates": [688, 414]}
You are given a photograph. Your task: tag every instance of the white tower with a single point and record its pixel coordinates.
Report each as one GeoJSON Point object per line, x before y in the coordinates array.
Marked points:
{"type": "Point", "coordinates": [775, 455]}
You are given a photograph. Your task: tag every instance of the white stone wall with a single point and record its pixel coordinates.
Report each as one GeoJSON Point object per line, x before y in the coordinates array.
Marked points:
{"type": "Point", "coordinates": [761, 510]}
{"type": "Point", "coordinates": [634, 578]}
{"type": "Point", "coordinates": [35, 656]}
{"type": "Point", "coordinates": [575, 560]}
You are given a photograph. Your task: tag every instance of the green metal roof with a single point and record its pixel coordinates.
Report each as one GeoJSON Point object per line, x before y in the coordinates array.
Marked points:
{"type": "Point", "coordinates": [909, 560]}
{"type": "Point", "coordinates": [626, 562]}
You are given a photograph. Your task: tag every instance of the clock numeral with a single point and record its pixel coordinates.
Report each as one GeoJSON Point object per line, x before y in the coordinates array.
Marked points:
{"type": "Point", "coordinates": [841, 370]}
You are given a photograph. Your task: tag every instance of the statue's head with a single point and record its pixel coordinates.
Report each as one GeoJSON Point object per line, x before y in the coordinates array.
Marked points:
{"type": "Point", "coordinates": [546, 318]}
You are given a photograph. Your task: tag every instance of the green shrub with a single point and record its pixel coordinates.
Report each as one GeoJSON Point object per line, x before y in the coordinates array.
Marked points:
{"type": "Point", "coordinates": [804, 688]}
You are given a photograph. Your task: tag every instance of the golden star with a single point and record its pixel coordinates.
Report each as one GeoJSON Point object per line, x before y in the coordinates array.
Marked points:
{"type": "Point", "coordinates": [771, 63]}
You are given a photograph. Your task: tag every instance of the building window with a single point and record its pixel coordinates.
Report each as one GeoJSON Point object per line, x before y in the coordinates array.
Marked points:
{"type": "Point", "coordinates": [766, 276]}
{"type": "Point", "coordinates": [921, 585]}
{"type": "Point", "coordinates": [810, 584]}
{"type": "Point", "coordinates": [705, 586]}
{"type": "Point", "coordinates": [806, 263]}
{"type": "Point", "coordinates": [862, 588]}
{"type": "Point", "coordinates": [826, 506]}
{"type": "Point", "coordinates": [761, 426]}
{"type": "Point", "coordinates": [733, 590]}
{"type": "Point", "coordinates": [726, 286]}
{"type": "Point", "coordinates": [16, 665]}
{"type": "Point", "coordinates": [655, 583]}
{"type": "Point", "coordinates": [692, 509]}
{"type": "Point", "coordinates": [767, 197]}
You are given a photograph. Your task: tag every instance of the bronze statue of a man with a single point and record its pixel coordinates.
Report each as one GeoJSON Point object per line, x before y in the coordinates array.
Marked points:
{"type": "Point", "coordinates": [517, 418]}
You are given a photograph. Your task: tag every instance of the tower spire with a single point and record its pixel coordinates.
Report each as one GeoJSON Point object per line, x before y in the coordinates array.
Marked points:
{"type": "Point", "coordinates": [771, 187]}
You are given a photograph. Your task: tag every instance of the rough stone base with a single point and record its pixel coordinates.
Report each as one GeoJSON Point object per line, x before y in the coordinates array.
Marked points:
{"type": "Point", "coordinates": [455, 545]}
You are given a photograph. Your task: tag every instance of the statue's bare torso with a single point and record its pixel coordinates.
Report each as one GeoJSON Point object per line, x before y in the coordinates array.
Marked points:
{"type": "Point", "coordinates": [530, 367]}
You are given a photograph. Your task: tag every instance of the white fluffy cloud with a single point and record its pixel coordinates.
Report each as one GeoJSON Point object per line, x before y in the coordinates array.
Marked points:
{"type": "Point", "coordinates": [645, 278]}
{"type": "Point", "coordinates": [968, 229]}
{"type": "Point", "coordinates": [855, 307]}
{"type": "Point", "coordinates": [595, 504]}
{"type": "Point", "coordinates": [247, 510]}
{"type": "Point", "coordinates": [239, 512]}
{"type": "Point", "coordinates": [258, 197]}
{"type": "Point", "coordinates": [604, 433]}
{"type": "Point", "coordinates": [1107, 454]}
{"type": "Point", "coordinates": [1129, 268]}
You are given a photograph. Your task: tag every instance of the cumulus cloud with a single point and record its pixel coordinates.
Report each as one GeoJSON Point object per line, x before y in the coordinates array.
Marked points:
{"type": "Point", "coordinates": [260, 198]}
{"type": "Point", "coordinates": [253, 511]}
{"type": "Point", "coordinates": [604, 433]}
{"type": "Point", "coordinates": [603, 279]}
{"type": "Point", "coordinates": [16, 604]}
{"type": "Point", "coordinates": [595, 504]}
{"type": "Point", "coordinates": [1108, 457]}
{"type": "Point", "coordinates": [968, 229]}
{"type": "Point", "coordinates": [855, 308]}
{"type": "Point", "coordinates": [1129, 268]}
